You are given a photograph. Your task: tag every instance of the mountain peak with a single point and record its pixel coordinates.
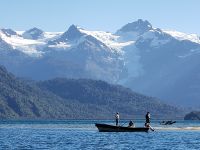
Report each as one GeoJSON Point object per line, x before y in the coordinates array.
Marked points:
{"type": "Point", "coordinates": [140, 26]}
{"type": "Point", "coordinates": [72, 33]}
{"type": "Point", "coordinates": [33, 33]}
{"type": "Point", "coordinates": [73, 27]}
{"type": "Point", "coordinates": [8, 32]}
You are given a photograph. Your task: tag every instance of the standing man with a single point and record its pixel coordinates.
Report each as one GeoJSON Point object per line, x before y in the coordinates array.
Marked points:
{"type": "Point", "coordinates": [147, 123]}
{"type": "Point", "coordinates": [147, 118]}
{"type": "Point", "coordinates": [117, 118]}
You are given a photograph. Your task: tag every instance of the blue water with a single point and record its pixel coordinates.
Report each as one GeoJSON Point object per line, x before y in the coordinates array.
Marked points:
{"type": "Point", "coordinates": [82, 134]}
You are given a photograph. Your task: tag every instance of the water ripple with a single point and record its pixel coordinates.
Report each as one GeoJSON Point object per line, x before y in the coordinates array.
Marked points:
{"type": "Point", "coordinates": [84, 136]}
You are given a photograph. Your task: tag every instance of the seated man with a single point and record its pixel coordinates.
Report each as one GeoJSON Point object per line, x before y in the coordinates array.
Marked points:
{"type": "Point", "coordinates": [131, 124]}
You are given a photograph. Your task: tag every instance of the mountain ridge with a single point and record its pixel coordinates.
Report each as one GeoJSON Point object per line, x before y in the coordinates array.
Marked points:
{"type": "Point", "coordinates": [63, 98]}
{"type": "Point", "coordinates": [137, 56]}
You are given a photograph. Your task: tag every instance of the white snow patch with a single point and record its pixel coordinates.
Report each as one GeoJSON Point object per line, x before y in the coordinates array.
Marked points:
{"type": "Point", "coordinates": [27, 46]}
{"type": "Point", "coordinates": [19, 32]}
{"type": "Point", "coordinates": [112, 41]}
{"type": "Point", "coordinates": [60, 45]}
{"type": "Point", "coordinates": [109, 39]}
{"type": "Point", "coordinates": [155, 40]}
{"type": "Point", "coordinates": [183, 36]}
{"type": "Point", "coordinates": [46, 35]}
{"type": "Point", "coordinates": [50, 35]}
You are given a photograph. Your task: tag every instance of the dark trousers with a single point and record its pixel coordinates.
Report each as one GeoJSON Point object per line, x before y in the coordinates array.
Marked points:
{"type": "Point", "coordinates": [147, 120]}
{"type": "Point", "coordinates": [117, 122]}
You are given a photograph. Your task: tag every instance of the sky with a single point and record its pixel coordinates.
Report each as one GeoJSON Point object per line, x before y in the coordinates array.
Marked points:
{"type": "Point", "coordinates": [106, 15]}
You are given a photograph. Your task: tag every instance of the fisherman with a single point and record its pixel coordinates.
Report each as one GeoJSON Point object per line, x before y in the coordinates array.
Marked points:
{"type": "Point", "coordinates": [117, 119]}
{"type": "Point", "coordinates": [131, 124]}
{"type": "Point", "coordinates": [147, 117]}
{"type": "Point", "coordinates": [147, 123]}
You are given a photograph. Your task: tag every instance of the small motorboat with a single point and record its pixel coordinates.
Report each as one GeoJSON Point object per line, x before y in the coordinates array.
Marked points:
{"type": "Point", "coordinates": [112, 128]}
{"type": "Point", "coordinates": [170, 122]}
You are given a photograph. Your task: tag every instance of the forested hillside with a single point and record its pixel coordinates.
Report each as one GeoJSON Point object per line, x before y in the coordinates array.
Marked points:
{"type": "Point", "coordinates": [74, 99]}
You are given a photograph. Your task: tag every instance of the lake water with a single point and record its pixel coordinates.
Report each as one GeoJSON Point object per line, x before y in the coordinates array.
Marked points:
{"type": "Point", "coordinates": [82, 135]}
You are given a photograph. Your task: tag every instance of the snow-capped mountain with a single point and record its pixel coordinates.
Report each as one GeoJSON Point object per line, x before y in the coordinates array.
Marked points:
{"type": "Point", "coordinates": [150, 60]}
{"type": "Point", "coordinates": [133, 30]}
{"type": "Point", "coordinates": [8, 32]}
{"type": "Point", "coordinates": [33, 34]}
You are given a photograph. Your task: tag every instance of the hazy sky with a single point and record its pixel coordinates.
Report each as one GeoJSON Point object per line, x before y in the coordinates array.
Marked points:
{"type": "Point", "coordinates": [107, 15]}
